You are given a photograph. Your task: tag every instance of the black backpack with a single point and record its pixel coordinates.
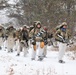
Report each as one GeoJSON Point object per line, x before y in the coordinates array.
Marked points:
{"type": "Point", "coordinates": [25, 35]}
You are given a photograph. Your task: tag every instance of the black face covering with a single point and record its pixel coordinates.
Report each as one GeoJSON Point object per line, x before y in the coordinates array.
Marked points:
{"type": "Point", "coordinates": [63, 29]}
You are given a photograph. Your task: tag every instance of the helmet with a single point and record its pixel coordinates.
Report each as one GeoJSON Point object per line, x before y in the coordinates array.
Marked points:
{"type": "Point", "coordinates": [24, 26]}
{"type": "Point", "coordinates": [36, 23]}
{"type": "Point", "coordinates": [11, 26]}
{"type": "Point", "coordinates": [61, 25]}
{"type": "Point", "coordinates": [64, 23]}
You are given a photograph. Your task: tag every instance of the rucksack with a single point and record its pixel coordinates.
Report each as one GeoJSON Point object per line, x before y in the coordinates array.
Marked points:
{"type": "Point", "coordinates": [24, 35]}
{"type": "Point", "coordinates": [31, 28]}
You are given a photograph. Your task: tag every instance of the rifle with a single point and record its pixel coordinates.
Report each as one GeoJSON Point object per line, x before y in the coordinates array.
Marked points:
{"type": "Point", "coordinates": [62, 39]}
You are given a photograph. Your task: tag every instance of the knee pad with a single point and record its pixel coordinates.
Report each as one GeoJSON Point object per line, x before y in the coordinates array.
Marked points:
{"type": "Point", "coordinates": [34, 47]}
{"type": "Point", "coordinates": [42, 44]}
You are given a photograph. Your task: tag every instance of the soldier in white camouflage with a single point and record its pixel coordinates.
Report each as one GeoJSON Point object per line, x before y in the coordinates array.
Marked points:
{"type": "Point", "coordinates": [36, 35]}
{"type": "Point", "coordinates": [22, 41]}
{"type": "Point", "coordinates": [17, 46]}
{"type": "Point", "coordinates": [10, 36]}
{"type": "Point", "coordinates": [2, 34]}
{"type": "Point", "coordinates": [62, 36]}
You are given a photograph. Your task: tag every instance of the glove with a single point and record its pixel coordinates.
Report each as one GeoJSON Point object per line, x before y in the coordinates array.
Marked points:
{"type": "Point", "coordinates": [6, 37]}
{"type": "Point", "coordinates": [33, 42]}
{"type": "Point", "coordinates": [45, 42]}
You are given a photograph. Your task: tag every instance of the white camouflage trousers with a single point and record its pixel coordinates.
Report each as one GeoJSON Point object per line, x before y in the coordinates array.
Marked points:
{"type": "Point", "coordinates": [21, 45]}
{"type": "Point", "coordinates": [10, 43]}
{"type": "Point", "coordinates": [1, 42]}
{"type": "Point", "coordinates": [38, 53]}
{"type": "Point", "coordinates": [62, 48]}
{"type": "Point", "coordinates": [45, 51]}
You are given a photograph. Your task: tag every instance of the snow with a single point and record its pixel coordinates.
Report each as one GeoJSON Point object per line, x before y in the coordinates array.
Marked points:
{"type": "Point", "coordinates": [10, 64]}
{"type": "Point", "coordinates": [13, 2]}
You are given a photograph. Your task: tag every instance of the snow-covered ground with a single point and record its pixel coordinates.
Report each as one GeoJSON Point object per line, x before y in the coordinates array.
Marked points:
{"type": "Point", "coordinates": [10, 64]}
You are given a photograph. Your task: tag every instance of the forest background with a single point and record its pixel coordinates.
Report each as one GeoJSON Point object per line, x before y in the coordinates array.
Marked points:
{"type": "Point", "coordinates": [50, 12]}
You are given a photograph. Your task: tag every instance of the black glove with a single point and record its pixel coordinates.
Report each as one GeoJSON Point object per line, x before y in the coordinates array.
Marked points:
{"type": "Point", "coordinates": [6, 37]}
{"type": "Point", "coordinates": [2, 36]}
{"type": "Point", "coordinates": [33, 42]}
{"type": "Point", "coordinates": [45, 42]}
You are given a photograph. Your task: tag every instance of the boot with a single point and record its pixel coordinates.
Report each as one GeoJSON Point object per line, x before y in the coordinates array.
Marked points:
{"type": "Point", "coordinates": [0, 47]}
{"type": "Point", "coordinates": [18, 54]}
{"type": "Point", "coordinates": [32, 58]}
{"type": "Point", "coordinates": [61, 61]}
{"type": "Point", "coordinates": [11, 50]}
{"type": "Point", "coordinates": [40, 58]}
